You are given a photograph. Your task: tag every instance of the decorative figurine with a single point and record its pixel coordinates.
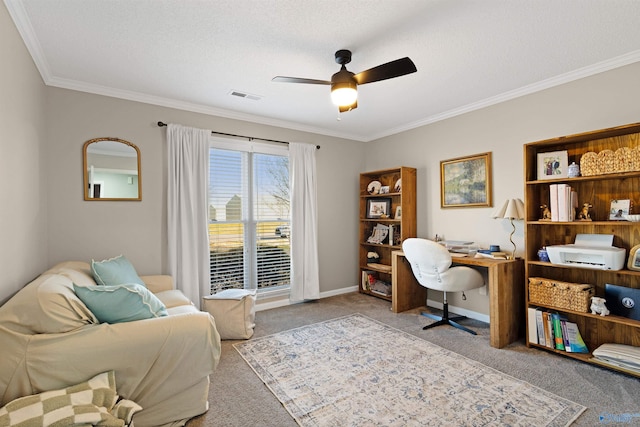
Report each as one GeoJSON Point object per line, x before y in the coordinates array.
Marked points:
{"type": "Point", "coordinates": [584, 212]}
{"type": "Point", "coordinates": [598, 307]}
{"type": "Point", "coordinates": [546, 213]}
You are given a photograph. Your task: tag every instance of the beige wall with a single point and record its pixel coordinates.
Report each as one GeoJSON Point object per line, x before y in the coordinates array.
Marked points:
{"type": "Point", "coordinates": [43, 218]}
{"type": "Point", "coordinates": [604, 100]}
{"type": "Point", "coordinates": [82, 230]}
{"type": "Point", "coordinates": [23, 192]}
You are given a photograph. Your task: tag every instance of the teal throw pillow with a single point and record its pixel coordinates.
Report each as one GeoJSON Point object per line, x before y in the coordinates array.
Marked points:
{"type": "Point", "coordinates": [120, 303]}
{"type": "Point", "coordinates": [114, 271]}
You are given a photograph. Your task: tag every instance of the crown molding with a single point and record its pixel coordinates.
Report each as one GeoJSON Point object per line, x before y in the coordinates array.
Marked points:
{"type": "Point", "coordinates": [600, 67]}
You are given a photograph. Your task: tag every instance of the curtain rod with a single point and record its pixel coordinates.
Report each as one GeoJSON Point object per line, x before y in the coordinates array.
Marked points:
{"type": "Point", "coordinates": [250, 138]}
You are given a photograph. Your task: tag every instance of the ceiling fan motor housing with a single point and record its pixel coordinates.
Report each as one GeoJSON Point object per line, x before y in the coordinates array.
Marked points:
{"type": "Point", "coordinates": [343, 78]}
{"type": "Point", "coordinates": [343, 56]}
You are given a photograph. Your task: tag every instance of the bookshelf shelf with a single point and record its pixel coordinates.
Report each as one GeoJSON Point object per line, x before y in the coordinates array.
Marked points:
{"type": "Point", "coordinates": [405, 200]}
{"type": "Point", "coordinates": [599, 191]}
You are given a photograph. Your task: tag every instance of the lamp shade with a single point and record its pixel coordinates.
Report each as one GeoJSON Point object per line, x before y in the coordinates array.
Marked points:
{"type": "Point", "coordinates": [510, 209]}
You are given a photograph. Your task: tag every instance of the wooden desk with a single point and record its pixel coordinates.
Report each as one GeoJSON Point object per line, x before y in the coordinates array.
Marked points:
{"type": "Point", "coordinates": [505, 287]}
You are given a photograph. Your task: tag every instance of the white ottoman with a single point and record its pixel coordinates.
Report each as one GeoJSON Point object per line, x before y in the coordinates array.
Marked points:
{"type": "Point", "coordinates": [234, 311]}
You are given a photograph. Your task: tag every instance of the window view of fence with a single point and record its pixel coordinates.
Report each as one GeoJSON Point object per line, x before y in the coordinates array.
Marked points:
{"type": "Point", "coordinates": [249, 226]}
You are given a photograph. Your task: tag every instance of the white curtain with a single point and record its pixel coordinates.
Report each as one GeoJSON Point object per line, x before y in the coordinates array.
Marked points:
{"type": "Point", "coordinates": [305, 281]}
{"type": "Point", "coordinates": [187, 216]}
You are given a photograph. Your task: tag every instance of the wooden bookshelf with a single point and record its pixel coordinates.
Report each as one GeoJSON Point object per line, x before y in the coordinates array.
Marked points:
{"type": "Point", "coordinates": [405, 199]}
{"type": "Point", "coordinates": [598, 190]}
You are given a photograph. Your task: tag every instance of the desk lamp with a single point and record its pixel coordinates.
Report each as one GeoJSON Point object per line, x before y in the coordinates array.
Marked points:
{"type": "Point", "coordinates": [511, 209]}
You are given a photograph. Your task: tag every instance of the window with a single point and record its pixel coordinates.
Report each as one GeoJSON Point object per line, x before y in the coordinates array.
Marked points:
{"type": "Point", "coordinates": [249, 216]}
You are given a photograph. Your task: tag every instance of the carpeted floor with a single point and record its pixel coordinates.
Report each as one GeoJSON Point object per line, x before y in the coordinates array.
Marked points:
{"type": "Point", "coordinates": [355, 371]}
{"type": "Point", "coordinates": [238, 398]}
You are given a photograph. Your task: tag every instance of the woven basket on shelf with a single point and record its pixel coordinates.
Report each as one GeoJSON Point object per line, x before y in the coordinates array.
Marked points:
{"type": "Point", "coordinates": [563, 295]}
{"type": "Point", "coordinates": [624, 159]}
{"type": "Point", "coordinates": [589, 164]}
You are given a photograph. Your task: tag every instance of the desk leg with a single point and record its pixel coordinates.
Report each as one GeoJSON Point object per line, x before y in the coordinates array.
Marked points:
{"type": "Point", "coordinates": [506, 303]}
{"type": "Point", "coordinates": [406, 292]}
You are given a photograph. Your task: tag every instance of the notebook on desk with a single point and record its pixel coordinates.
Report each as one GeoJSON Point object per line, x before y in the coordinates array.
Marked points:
{"type": "Point", "coordinates": [458, 246]}
{"type": "Point", "coordinates": [457, 255]}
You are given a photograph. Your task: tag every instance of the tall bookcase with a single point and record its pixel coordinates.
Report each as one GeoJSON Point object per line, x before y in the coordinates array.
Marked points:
{"type": "Point", "coordinates": [401, 185]}
{"type": "Point", "coordinates": [598, 190]}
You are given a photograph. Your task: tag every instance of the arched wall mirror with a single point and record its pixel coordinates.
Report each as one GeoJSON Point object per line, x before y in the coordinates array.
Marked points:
{"type": "Point", "coordinates": [111, 169]}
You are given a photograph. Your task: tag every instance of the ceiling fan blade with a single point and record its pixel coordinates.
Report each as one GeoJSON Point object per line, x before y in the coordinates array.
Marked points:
{"type": "Point", "coordinates": [345, 108]}
{"type": "Point", "coordinates": [397, 68]}
{"type": "Point", "coordinates": [299, 80]}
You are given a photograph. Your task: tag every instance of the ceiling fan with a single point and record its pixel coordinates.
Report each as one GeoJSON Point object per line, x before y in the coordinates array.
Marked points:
{"type": "Point", "coordinates": [344, 83]}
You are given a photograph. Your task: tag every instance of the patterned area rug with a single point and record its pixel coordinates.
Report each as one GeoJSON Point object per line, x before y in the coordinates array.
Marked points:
{"type": "Point", "coordinates": [355, 371]}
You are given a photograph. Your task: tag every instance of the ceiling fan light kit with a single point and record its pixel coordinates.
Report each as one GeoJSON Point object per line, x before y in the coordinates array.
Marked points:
{"type": "Point", "coordinates": [343, 94]}
{"type": "Point", "coordinates": [344, 83]}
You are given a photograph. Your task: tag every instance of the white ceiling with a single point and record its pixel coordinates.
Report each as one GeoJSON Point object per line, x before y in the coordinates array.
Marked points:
{"type": "Point", "coordinates": [191, 54]}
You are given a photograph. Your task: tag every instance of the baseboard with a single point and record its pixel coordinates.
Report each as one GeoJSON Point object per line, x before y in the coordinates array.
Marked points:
{"type": "Point", "coordinates": [284, 300]}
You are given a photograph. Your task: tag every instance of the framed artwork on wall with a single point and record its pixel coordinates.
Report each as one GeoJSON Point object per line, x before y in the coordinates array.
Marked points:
{"type": "Point", "coordinates": [466, 181]}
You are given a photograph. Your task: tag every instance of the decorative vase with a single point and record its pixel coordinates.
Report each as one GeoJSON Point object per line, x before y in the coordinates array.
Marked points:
{"type": "Point", "coordinates": [573, 170]}
{"type": "Point", "coordinates": [543, 255]}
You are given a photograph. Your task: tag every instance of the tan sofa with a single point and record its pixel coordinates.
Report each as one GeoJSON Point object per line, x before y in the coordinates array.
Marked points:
{"type": "Point", "coordinates": [50, 340]}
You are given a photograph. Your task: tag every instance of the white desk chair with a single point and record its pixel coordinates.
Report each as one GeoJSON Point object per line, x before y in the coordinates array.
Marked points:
{"type": "Point", "coordinates": [431, 266]}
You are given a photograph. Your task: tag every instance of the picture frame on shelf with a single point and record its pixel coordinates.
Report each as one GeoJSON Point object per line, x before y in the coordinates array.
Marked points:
{"type": "Point", "coordinates": [634, 258]}
{"type": "Point", "coordinates": [384, 189]}
{"type": "Point", "coordinates": [553, 165]}
{"type": "Point", "coordinates": [378, 208]}
{"type": "Point", "coordinates": [398, 213]}
{"type": "Point", "coordinates": [466, 181]}
{"type": "Point", "coordinates": [619, 209]}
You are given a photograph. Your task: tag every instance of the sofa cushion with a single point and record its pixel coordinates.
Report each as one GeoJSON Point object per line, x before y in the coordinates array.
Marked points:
{"type": "Point", "coordinates": [79, 272]}
{"type": "Point", "coordinates": [47, 305]}
{"type": "Point", "coordinates": [182, 309]}
{"type": "Point", "coordinates": [173, 298]}
{"type": "Point", "coordinates": [121, 303]}
{"type": "Point", "coordinates": [114, 271]}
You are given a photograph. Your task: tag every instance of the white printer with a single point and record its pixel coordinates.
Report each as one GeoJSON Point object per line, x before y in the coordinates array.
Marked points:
{"type": "Point", "coordinates": [594, 251]}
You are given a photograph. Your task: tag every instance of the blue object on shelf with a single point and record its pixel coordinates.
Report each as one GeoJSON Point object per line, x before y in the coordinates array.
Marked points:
{"type": "Point", "coordinates": [543, 255]}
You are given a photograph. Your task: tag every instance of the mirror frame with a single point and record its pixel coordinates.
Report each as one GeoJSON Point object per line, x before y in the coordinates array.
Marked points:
{"type": "Point", "coordinates": [86, 171]}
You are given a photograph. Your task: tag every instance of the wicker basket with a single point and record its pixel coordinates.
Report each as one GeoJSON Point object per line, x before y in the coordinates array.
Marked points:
{"type": "Point", "coordinates": [624, 159]}
{"type": "Point", "coordinates": [564, 295]}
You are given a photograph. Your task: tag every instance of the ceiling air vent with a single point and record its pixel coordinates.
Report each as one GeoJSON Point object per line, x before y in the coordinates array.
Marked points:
{"type": "Point", "coordinates": [245, 95]}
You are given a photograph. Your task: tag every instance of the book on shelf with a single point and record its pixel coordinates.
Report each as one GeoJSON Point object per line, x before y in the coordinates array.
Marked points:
{"type": "Point", "coordinates": [558, 339]}
{"type": "Point", "coordinates": [368, 278]}
{"type": "Point", "coordinates": [532, 327]}
{"type": "Point", "coordinates": [565, 334]}
{"type": "Point", "coordinates": [553, 202]}
{"type": "Point", "coordinates": [540, 326]}
{"type": "Point", "coordinates": [394, 234]}
{"type": "Point", "coordinates": [553, 330]}
{"type": "Point", "coordinates": [371, 282]}
{"type": "Point", "coordinates": [576, 342]}
{"type": "Point", "coordinates": [563, 202]}
{"type": "Point", "coordinates": [548, 329]}
{"type": "Point", "coordinates": [379, 234]}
